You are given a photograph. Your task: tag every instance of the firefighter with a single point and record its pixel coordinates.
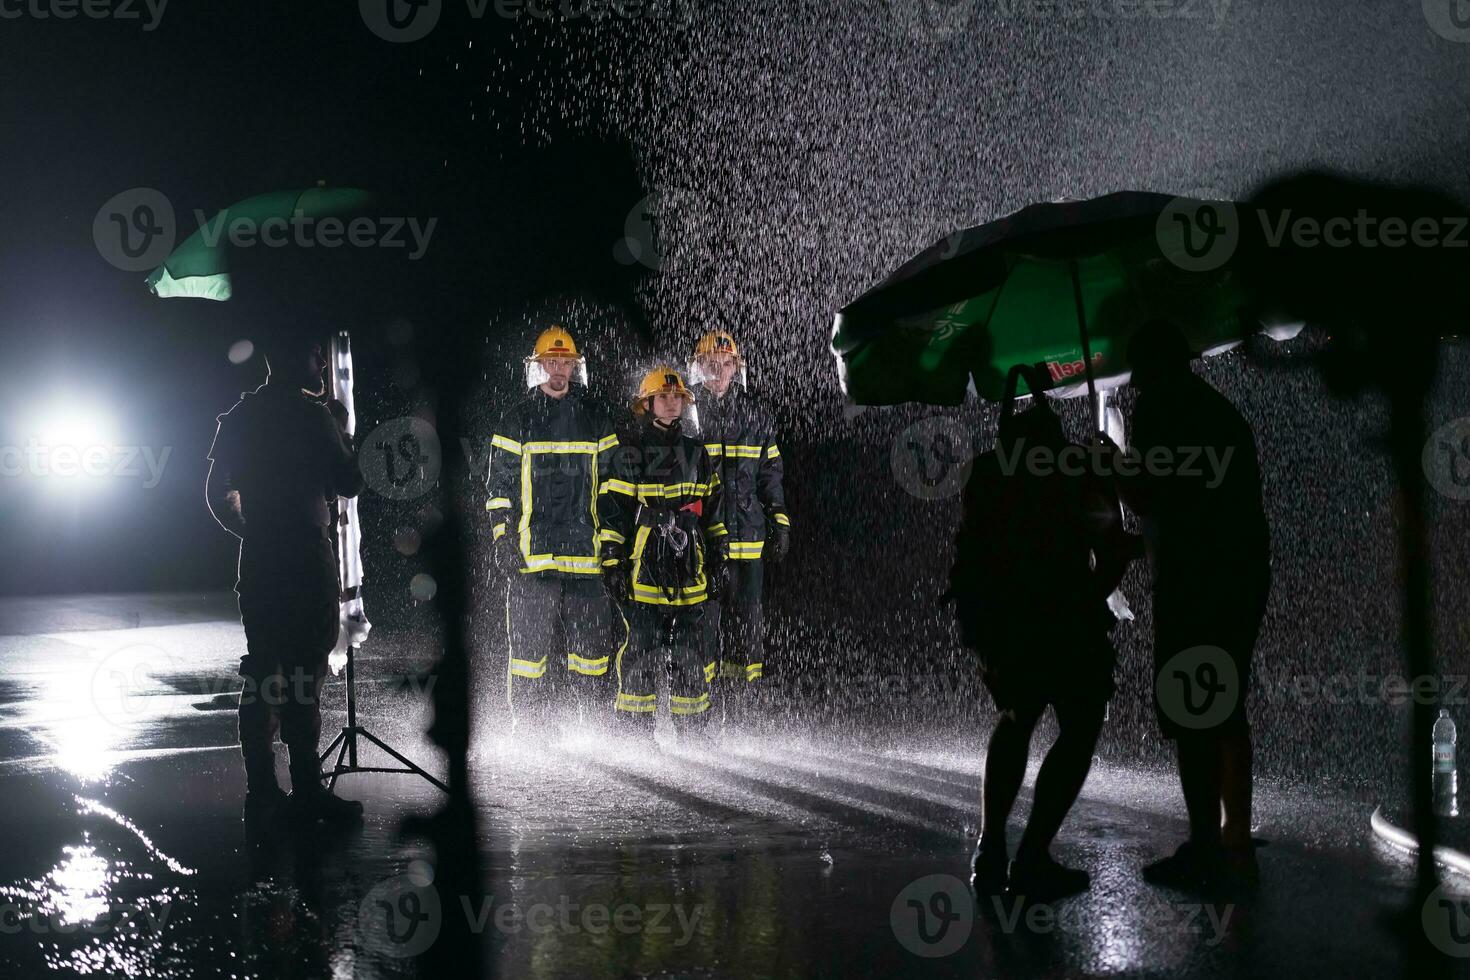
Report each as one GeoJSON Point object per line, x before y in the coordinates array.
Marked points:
{"type": "Point", "coordinates": [546, 516]}
{"type": "Point", "coordinates": [666, 499]}
{"type": "Point", "coordinates": [740, 437]}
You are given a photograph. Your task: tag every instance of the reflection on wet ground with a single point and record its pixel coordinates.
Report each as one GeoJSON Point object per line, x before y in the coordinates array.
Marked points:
{"type": "Point", "coordinates": [771, 854]}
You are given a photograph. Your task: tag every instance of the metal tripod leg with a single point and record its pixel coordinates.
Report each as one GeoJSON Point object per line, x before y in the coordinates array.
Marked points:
{"type": "Point", "coordinates": [345, 743]}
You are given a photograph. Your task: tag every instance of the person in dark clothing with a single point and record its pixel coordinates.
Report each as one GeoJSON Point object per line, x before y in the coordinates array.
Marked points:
{"type": "Point", "coordinates": [739, 435]}
{"type": "Point", "coordinates": [1209, 553]}
{"type": "Point", "coordinates": [1040, 549]}
{"type": "Point", "coordinates": [666, 499]}
{"type": "Point", "coordinates": [278, 459]}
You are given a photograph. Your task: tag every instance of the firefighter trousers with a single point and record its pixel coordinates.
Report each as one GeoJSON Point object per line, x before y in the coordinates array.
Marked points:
{"type": "Point", "coordinates": [560, 629]}
{"type": "Point", "coordinates": [661, 637]}
{"type": "Point", "coordinates": [735, 627]}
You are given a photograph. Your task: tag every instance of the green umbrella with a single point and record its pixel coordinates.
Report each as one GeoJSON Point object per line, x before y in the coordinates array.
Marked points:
{"type": "Point", "coordinates": [1062, 284]}
{"type": "Point", "coordinates": [200, 267]}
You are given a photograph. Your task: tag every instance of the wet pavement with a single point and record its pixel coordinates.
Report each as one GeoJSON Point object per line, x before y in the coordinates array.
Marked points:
{"type": "Point", "coordinates": [778, 853]}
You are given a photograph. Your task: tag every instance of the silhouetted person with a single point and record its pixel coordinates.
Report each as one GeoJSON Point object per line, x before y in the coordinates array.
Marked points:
{"type": "Point", "coordinates": [1040, 549]}
{"type": "Point", "coordinates": [278, 458]}
{"type": "Point", "coordinates": [1208, 546]}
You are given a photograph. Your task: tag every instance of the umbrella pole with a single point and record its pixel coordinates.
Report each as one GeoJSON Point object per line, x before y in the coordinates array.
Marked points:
{"type": "Point", "coordinates": [1086, 347]}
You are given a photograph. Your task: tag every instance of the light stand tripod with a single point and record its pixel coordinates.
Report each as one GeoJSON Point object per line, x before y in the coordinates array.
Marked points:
{"type": "Point", "coordinates": [355, 624]}
{"type": "Point", "coordinates": [345, 743]}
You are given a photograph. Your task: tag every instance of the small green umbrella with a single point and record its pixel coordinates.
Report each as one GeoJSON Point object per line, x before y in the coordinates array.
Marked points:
{"type": "Point", "coordinates": [200, 267]}
{"type": "Point", "coordinates": [1061, 284]}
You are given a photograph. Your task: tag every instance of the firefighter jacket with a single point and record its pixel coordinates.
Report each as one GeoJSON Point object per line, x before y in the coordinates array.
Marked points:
{"type": "Point", "coordinates": [547, 459]}
{"type": "Point", "coordinates": [740, 437]}
{"type": "Point", "coordinates": [665, 500]}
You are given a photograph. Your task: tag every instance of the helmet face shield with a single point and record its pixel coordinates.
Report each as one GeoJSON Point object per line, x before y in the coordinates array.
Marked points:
{"type": "Point", "coordinates": [709, 369]}
{"type": "Point", "coordinates": [716, 362]}
{"type": "Point", "coordinates": [540, 370]}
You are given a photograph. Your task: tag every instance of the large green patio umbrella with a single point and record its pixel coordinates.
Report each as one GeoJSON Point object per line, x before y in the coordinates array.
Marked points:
{"type": "Point", "coordinates": [1062, 284]}
{"type": "Point", "coordinates": [200, 266]}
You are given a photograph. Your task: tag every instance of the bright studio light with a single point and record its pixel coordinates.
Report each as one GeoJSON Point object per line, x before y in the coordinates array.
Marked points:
{"type": "Point", "coordinates": [74, 427]}
{"type": "Point", "coordinates": [72, 445]}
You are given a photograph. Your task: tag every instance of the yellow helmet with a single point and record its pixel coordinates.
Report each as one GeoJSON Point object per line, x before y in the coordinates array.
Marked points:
{"type": "Point", "coordinates": [701, 371]}
{"type": "Point", "coordinates": [555, 342]}
{"type": "Point", "coordinates": [717, 342]}
{"type": "Point", "coordinates": [660, 379]}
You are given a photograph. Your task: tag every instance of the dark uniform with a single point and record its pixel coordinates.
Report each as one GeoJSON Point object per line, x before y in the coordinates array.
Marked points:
{"type": "Point", "coordinates": [667, 499]}
{"type": "Point", "coordinates": [287, 458]}
{"type": "Point", "coordinates": [547, 459]}
{"type": "Point", "coordinates": [738, 434]}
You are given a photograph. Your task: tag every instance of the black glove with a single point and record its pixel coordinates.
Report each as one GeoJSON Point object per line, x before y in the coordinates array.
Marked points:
{"type": "Point", "coordinates": [716, 570]}
{"type": "Point", "coordinates": [778, 542]}
{"type": "Point", "coordinates": [615, 572]}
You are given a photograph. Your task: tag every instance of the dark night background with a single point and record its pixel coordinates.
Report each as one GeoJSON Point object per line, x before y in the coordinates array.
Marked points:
{"type": "Point", "coordinates": [804, 150]}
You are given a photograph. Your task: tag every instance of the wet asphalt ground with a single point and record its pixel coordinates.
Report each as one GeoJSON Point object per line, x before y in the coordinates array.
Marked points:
{"type": "Point", "coordinates": [784, 853]}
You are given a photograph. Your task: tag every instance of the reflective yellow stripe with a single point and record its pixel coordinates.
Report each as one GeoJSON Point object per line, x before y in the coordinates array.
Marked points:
{"type": "Point", "coordinates": [716, 529]}
{"type": "Point", "coordinates": [592, 499]}
{"type": "Point", "coordinates": [746, 549]}
{"type": "Point", "coordinates": [497, 503]}
{"type": "Point", "coordinates": [510, 700]}
{"type": "Point", "coordinates": [654, 596]}
{"type": "Point", "coordinates": [524, 527]}
{"type": "Point", "coordinates": [709, 672]}
{"type": "Point", "coordinates": [559, 447]}
{"type": "Point", "coordinates": [608, 534]}
{"type": "Point", "coordinates": [781, 518]}
{"type": "Point", "coordinates": [772, 452]}
{"type": "Point", "coordinates": [577, 564]}
{"type": "Point", "coordinates": [633, 699]}
{"type": "Point", "coordinates": [689, 706]}
{"type": "Point", "coordinates": [731, 670]}
{"type": "Point", "coordinates": [498, 531]}
{"type": "Point", "coordinates": [509, 445]}
{"type": "Point", "coordinates": [688, 590]}
{"type": "Point", "coordinates": [620, 486]}
{"type": "Point", "coordinates": [584, 665]}
{"type": "Point", "coordinates": [745, 452]}
{"type": "Point", "coordinates": [676, 489]}
{"type": "Point", "coordinates": [637, 702]}
{"type": "Point", "coordinates": [713, 448]}
{"type": "Point", "coordinates": [753, 672]}
{"type": "Point", "coordinates": [607, 442]}
{"type": "Point", "coordinates": [527, 668]}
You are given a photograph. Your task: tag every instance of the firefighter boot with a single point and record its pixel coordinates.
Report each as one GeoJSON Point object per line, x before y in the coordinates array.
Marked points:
{"type": "Point", "coordinates": [635, 729]}
{"type": "Point", "coordinates": [739, 701]}
{"type": "Point", "coordinates": [694, 731]}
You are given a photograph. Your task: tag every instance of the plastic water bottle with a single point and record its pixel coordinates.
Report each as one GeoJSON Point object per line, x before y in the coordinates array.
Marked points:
{"type": "Point", "coordinates": [1445, 778]}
